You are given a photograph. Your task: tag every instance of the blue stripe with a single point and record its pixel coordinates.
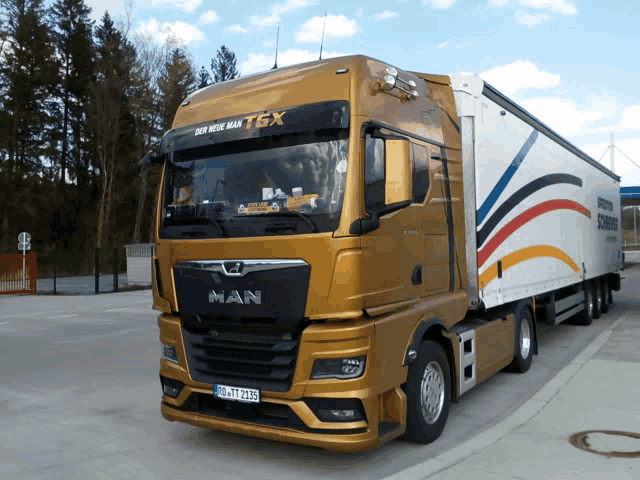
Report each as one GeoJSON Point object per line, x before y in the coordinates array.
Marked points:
{"type": "Point", "coordinates": [506, 178]}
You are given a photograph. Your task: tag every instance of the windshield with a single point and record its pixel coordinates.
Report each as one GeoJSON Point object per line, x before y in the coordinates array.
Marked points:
{"type": "Point", "coordinates": [277, 185]}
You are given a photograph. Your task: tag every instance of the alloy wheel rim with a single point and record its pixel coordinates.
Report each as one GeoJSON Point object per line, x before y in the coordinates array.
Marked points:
{"type": "Point", "coordinates": [432, 392]}
{"type": "Point", "coordinates": [525, 339]}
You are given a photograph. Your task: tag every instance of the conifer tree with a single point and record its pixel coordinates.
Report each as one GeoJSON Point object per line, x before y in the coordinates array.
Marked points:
{"type": "Point", "coordinates": [204, 79]}
{"type": "Point", "coordinates": [223, 65]}
{"type": "Point", "coordinates": [176, 82]}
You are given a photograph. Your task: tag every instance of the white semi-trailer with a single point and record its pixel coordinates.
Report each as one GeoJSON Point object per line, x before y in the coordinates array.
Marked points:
{"type": "Point", "coordinates": [540, 214]}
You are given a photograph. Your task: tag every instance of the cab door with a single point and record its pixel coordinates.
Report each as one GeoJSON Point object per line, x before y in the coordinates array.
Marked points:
{"type": "Point", "coordinates": [393, 253]}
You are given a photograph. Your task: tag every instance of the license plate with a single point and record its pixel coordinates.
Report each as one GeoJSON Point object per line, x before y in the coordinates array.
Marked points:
{"type": "Point", "coordinates": [249, 395]}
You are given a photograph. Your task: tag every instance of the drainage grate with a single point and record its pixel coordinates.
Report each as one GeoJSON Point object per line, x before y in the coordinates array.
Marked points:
{"type": "Point", "coordinates": [580, 440]}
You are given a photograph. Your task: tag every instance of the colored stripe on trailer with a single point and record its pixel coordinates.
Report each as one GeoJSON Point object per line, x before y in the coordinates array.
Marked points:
{"type": "Point", "coordinates": [515, 199]}
{"type": "Point", "coordinates": [522, 255]}
{"type": "Point", "coordinates": [524, 218]}
{"type": "Point", "coordinates": [506, 177]}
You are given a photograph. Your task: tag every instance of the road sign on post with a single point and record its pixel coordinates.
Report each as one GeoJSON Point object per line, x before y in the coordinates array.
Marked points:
{"type": "Point", "coordinates": [24, 238]}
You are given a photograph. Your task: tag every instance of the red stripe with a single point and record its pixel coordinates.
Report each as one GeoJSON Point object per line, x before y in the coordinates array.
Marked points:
{"type": "Point", "coordinates": [525, 217]}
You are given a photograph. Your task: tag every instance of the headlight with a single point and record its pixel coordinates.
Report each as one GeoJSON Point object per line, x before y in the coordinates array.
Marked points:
{"type": "Point", "coordinates": [342, 368]}
{"type": "Point", "coordinates": [169, 353]}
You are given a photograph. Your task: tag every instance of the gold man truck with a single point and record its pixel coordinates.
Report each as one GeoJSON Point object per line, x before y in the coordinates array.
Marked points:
{"type": "Point", "coordinates": [344, 248]}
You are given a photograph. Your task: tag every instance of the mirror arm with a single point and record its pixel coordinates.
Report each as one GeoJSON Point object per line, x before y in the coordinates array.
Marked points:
{"type": "Point", "coordinates": [372, 222]}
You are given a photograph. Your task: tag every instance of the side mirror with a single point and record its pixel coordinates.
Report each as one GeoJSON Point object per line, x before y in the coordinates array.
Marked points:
{"type": "Point", "coordinates": [398, 179]}
{"type": "Point", "coordinates": [149, 159]}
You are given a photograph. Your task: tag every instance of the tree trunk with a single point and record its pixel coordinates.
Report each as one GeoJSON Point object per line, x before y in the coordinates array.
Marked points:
{"type": "Point", "coordinates": [141, 201]}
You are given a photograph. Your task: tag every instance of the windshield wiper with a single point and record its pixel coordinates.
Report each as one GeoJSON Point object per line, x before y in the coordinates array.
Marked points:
{"type": "Point", "coordinates": [305, 218]}
{"type": "Point", "coordinates": [199, 220]}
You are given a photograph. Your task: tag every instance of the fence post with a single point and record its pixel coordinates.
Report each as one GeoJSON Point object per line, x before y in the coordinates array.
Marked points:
{"type": "Point", "coordinates": [55, 267]}
{"type": "Point", "coordinates": [115, 269]}
{"type": "Point", "coordinates": [97, 270]}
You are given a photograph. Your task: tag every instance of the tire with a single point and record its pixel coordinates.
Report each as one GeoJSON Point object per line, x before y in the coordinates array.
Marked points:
{"type": "Point", "coordinates": [585, 317]}
{"type": "Point", "coordinates": [428, 390]}
{"type": "Point", "coordinates": [524, 342]}
{"type": "Point", "coordinates": [597, 296]}
{"type": "Point", "coordinates": [606, 293]}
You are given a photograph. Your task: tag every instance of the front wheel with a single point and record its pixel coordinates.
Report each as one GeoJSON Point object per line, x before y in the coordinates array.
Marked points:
{"type": "Point", "coordinates": [428, 392]}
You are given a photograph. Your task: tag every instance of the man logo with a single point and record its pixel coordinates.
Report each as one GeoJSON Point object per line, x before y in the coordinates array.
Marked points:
{"type": "Point", "coordinates": [234, 297]}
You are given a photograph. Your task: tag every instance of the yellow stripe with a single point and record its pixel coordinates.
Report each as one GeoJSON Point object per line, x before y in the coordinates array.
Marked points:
{"type": "Point", "coordinates": [508, 261]}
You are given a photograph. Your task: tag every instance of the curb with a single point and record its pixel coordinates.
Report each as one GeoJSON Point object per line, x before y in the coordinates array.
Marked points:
{"type": "Point", "coordinates": [518, 418]}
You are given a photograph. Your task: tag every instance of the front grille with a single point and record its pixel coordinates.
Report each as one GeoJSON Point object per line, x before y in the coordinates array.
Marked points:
{"type": "Point", "coordinates": [266, 362]}
{"type": "Point", "coordinates": [267, 414]}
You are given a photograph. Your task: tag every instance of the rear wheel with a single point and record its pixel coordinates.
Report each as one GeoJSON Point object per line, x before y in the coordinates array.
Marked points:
{"type": "Point", "coordinates": [586, 316]}
{"type": "Point", "coordinates": [524, 341]}
{"type": "Point", "coordinates": [428, 392]}
{"type": "Point", "coordinates": [605, 295]}
{"type": "Point", "coordinates": [597, 295]}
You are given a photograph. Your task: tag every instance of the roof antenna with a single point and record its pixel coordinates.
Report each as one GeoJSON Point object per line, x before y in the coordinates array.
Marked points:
{"type": "Point", "coordinates": [322, 41]}
{"type": "Point", "coordinates": [277, 38]}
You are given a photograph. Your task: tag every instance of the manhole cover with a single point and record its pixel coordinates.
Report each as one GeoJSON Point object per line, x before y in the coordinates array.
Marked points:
{"type": "Point", "coordinates": [610, 443]}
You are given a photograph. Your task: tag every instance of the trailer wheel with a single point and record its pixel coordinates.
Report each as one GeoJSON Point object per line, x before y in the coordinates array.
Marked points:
{"type": "Point", "coordinates": [586, 316]}
{"type": "Point", "coordinates": [604, 287]}
{"type": "Point", "coordinates": [597, 294]}
{"type": "Point", "coordinates": [524, 341]}
{"type": "Point", "coordinates": [428, 392]}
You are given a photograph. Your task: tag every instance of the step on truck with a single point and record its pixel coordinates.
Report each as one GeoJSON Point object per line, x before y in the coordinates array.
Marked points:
{"type": "Point", "coordinates": [344, 248]}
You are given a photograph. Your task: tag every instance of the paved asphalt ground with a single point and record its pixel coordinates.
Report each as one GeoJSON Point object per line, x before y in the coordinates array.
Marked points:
{"type": "Point", "coordinates": [80, 398]}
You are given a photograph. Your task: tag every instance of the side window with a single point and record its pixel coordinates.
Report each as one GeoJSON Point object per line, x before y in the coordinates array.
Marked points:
{"type": "Point", "coordinates": [374, 172]}
{"type": "Point", "coordinates": [420, 172]}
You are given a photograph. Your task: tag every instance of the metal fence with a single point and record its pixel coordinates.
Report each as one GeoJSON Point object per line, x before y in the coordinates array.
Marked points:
{"type": "Point", "coordinates": [18, 273]}
{"type": "Point", "coordinates": [139, 263]}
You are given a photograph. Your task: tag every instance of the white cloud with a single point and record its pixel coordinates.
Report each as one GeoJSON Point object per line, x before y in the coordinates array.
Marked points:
{"type": "Point", "coordinates": [519, 75]}
{"type": "Point", "coordinates": [631, 118]}
{"type": "Point", "coordinates": [557, 6]}
{"type": "Point", "coordinates": [275, 11]}
{"type": "Point", "coordinates": [186, 5]}
{"type": "Point", "coordinates": [385, 15]}
{"type": "Point", "coordinates": [115, 7]}
{"type": "Point", "coordinates": [236, 29]}
{"type": "Point", "coordinates": [439, 3]}
{"type": "Point", "coordinates": [530, 20]}
{"type": "Point", "coordinates": [337, 26]}
{"type": "Point", "coordinates": [443, 45]}
{"type": "Point", "coordinates": [260, 62]}
{"type": "Point", "coordinates": [184, 32]}
{"type": "Point", "coordinates": [209, 17]}
{"type": "Point", "coordinates": [567, 117]}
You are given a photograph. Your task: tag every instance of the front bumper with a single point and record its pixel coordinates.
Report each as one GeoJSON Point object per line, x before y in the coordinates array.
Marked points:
{"type": "Point", "coordinates": [363, 440]}
{"type": "Point", "coordinates": [286, 416]}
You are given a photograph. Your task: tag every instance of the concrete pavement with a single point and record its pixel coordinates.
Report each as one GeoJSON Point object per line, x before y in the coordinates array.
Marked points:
{"type": "Point", "coordinates": [598, 390]}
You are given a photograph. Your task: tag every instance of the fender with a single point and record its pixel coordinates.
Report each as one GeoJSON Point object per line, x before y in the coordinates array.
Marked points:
{"type": "Point", "coordinates": [418, 333]}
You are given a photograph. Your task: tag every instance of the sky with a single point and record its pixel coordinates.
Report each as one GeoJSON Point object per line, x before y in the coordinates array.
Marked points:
{"type": "Point", "coordinates": [572, 64]}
